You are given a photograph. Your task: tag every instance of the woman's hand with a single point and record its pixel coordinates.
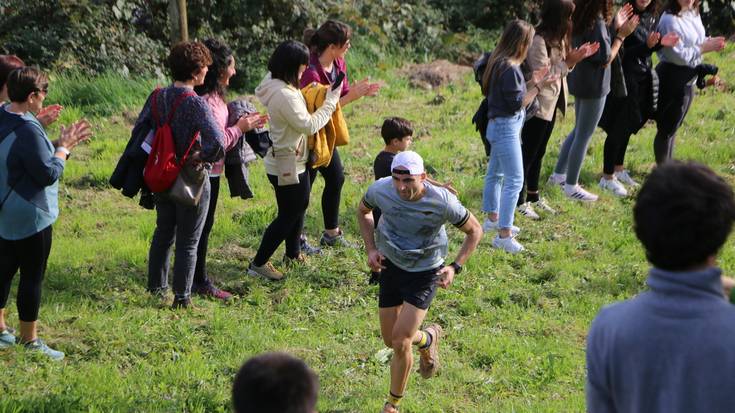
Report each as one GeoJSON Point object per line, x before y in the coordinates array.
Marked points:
{"type": "Point", "coordinates": [653, 39]}
{"type": "Point", "coordinates": [713, 44]}
{"type": "Point", "coordinates": [539, 75]}
{"type": "Point", "coordinates": [49, 114]}
{"type": "Point", "coordinates": [584, 51]}
{"type": "Point", "coordinates": [74, 134]}
{"type": "Point", "coordinates": [249, 122]}
{"type": "Point", "coordinates": [623, 15]}
{"type": "Point", "coordinates": [629, 26]}
{"type": "Point", "coordinates": [669, 39]}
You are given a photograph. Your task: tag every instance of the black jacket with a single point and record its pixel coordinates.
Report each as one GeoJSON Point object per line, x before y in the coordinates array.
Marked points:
{"type": "Point", "coordinates": [128, 174]}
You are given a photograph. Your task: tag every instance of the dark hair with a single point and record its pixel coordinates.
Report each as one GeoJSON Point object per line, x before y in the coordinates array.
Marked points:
{"type": "Point", "coordinates": [331, 32]}
{"type": "Point", "coordinates": [683, 215]}
{"type": "Point", "coordinates": [586, 11]}
{"type": "Point", "coordinates": [395, 128]}
{"type": "Point", "coordinates": [285, 61]}
{"type": "Point", "coordinates": [186, 58]}
{"type": "Point", "coordinates": [556, 22]}
{"type": "Point", "coordinates": [25, 80]}
{"type": "Point", "coordinates": [275, 383]}
{"type": "Point", "coordinates": [8, 63]}
{"type": "Point", "coordinates": [652, 7]}
{"type": "Point", "coordinates": [221, 60]}
{"type": "Point", "coordinates": [673, 7]}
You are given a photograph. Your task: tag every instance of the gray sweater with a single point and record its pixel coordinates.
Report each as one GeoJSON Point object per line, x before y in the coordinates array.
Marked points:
{"type": "Point", "coordinates": [668, 350]}
{"type": "Point", "coordinates": [507, 88]}
{"type": "Point", "coordinates": [590, 78]}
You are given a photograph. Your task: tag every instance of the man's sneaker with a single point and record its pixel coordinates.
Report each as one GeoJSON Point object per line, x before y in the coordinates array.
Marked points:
{"type": "Point", "coordinates": [266, 271]}
{"type": "Point", "coordinates": [614, 186]}
{"type": "Point", "coordinates": [508, 244]}
{"type": "Point", "coordinates": [209, 290]}
{"type": "Point", "coordinates": [389, 408]}
{"type": "Point", "coordinates": [625, 179]}
{"type": "Point", "coordinates": [41, 347]}
{"type": "Point", "coordinates": [544, 206]}
{"type": "Point", "coordinates": [527, 211]}
{"type": "Point", "coordinates": [577, 193]}
{"type": "Point", "coordinates": [7, 338]}
{"type": "Point", "coordinates": [429, 357]}
{"type": "Point", "coordinates": [558, 179]}
{"type": "Point", "coordinates": [489, 226]}
{"type": "Point", "coordinates": [336, 241]}
{"type": "Point", "coordinates": [307, 248]}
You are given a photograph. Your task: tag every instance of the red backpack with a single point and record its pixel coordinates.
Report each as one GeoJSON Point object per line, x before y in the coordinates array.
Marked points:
{"type": "Point", "coordinates": [162, 168]}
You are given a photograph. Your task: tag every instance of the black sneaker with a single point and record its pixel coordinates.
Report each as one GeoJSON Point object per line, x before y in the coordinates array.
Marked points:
{"type": "Point", "coordinates": [308, 249]}
{"type": "Point", "coordinates": [181, 303]}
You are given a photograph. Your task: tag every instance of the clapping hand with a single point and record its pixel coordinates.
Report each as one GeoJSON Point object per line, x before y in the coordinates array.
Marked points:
{"type": "Point", "coordinates": [582, 52]}
{"type": "Point", "coordinates": [49, 114]}
{"type": "Point", "coordinates": [669, 39]}
{"type": "Point", "coordinates": [75, 133]}
{"type": "Point", "coordinates": [623, 15]}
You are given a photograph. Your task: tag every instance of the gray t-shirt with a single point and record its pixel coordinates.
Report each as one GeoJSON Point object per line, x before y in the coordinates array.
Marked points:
{"type": "Point", "coordinates": [412, 234]}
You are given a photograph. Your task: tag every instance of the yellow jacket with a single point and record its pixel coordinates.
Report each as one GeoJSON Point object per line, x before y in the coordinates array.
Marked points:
{"type": "Point", "coordinates": [334, 133]}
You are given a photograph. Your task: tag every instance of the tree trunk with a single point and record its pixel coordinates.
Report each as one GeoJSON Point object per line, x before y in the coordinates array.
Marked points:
{"type": "Point", "coordinates": [178, 21]}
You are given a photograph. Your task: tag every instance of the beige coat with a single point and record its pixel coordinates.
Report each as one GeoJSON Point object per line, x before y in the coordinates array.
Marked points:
{"type": "Point", "coordinates": [556, 92]}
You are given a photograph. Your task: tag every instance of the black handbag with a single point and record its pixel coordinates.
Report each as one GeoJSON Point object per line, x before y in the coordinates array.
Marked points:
{"type": "Point", "coordinates": [189, 185]}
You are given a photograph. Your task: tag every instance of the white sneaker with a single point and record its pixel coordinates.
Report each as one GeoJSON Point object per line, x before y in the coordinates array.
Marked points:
{"type": "Point", "coordinates": [489, 226]}
{"type": "Point", "coordinates": [614, 186]}
{"type": "Point", "coordinates": [542, 205]}
{"type": "Point", "coordinates": [527, 211]}
{"type": "Point", "coordinates": [624, 178]}
{"type": "Point", "coordinates": [577, 193]}
{"type": "Point", "coordinates": [507, 244]}
{"type": "Point", "coordinates": [558, 179]}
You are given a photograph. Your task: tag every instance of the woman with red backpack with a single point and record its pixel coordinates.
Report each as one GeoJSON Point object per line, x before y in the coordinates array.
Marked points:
{"type": "Point", "coordinates": [196, 133]}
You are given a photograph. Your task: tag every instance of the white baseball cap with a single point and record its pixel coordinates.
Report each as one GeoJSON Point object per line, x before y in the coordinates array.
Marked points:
{"type": "Point", "coordinates": [409, 160]}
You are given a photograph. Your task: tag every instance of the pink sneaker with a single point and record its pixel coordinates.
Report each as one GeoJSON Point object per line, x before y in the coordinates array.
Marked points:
{"type": "Point", "coordinates": [209, 290]}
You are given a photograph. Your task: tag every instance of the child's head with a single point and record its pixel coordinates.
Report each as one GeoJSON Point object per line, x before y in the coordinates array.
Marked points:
{"type": "Point", "coordinates": [512, 48]}
{"type": "Point", "coordinates": [683, 215]}
{"type": "Point", "coordinates": [277, 383]}
{"type": "Point", "coordinates": [397, 132]}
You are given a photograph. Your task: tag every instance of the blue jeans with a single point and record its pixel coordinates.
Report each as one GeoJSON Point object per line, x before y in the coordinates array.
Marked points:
{"type": "Point", "coordinates": [504, 178]}
{"type": "Point", "coordinates": [587, 114]}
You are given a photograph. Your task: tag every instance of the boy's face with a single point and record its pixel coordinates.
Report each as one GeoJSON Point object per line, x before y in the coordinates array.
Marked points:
{"type": "Point", "coordinates": [403, 143]}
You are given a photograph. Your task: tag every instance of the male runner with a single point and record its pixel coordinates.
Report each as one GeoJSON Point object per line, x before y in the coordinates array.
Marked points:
{"type": "Point", "coordinates": [408, 249]}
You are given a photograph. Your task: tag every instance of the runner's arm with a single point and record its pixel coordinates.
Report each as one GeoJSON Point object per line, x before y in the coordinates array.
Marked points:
{"type": "Point", "coordinates": [473, 235]}
{"type": "Point", "coordinates": [367, 223]}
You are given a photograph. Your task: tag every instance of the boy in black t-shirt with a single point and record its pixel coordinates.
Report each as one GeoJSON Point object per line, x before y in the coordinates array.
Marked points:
{"type": "Point", "coordinates": [397, 134]}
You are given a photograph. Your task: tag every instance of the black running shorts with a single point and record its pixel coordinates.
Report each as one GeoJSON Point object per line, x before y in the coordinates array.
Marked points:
{"type": "Point", "coordinates": [398, 286]}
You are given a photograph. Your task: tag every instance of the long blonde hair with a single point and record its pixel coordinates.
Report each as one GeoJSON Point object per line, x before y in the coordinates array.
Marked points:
{"type": "Point", "coordinates": [512, 48]}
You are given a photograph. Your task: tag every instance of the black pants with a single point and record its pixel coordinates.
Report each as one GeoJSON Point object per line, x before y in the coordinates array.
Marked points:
{"type": "Point", "coordinates": [616, 144]}
{"type": "Point", "coordinates": [29, 255]}
{"type": "Point", "coordinates": [292, 202]}
{"type": "Point", "coordinates": [334, 178]}
{"type": "Point", "coordinates": [670, 117]}
{"type": "Point", "coordinates": [200, 272]}
{"type": "Point", "coordinates": [534, 136]}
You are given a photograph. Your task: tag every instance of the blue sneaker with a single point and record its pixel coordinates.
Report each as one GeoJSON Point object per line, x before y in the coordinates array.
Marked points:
{"type": "Point", "coordinates": [40, 346]}
{"type": "Point", "coordinates": [7, 338]}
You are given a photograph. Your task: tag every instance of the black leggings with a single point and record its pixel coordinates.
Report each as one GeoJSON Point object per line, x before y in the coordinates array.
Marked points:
{"type": "Point", "coordinates": [334, 178]}
{"type": "Point", "coordinates": [534, 136]}
{"type": "Point", "coordinates": [670, 117]}
{"type": "Point", "coordinates": [616, 144]}
{"type": "Point", "coordinates": [30, 255]}
{"type": "Point", "coordinates": [200, 272]}
{"type": "Point", "coordinates": [292, 202]}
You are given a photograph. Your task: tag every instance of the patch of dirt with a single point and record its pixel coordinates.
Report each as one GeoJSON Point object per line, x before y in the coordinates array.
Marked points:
{"type": "Point", "coordinates": [435, 74]}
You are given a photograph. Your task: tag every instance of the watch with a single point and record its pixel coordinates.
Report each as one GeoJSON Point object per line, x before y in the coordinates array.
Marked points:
{"type": "Point", "coordinates": [457, 267]}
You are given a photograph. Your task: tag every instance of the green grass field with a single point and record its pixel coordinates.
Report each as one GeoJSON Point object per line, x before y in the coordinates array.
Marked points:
{"type": "Point", "coordinates": [516, 325]}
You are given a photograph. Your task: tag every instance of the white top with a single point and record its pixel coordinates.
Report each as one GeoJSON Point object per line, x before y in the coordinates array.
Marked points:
{"type": "Point", "coordinates": [688, 25]}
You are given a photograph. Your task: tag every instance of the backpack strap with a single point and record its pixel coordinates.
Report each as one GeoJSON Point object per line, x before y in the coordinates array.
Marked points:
{"type": "Point", "coordinates": [186, 154]}
{"type": "Point", "coordinates": [177, 102]}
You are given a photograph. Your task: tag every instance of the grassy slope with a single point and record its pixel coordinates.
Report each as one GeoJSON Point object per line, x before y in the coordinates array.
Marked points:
{"type": "Point", "coordinates": [516, 324]}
